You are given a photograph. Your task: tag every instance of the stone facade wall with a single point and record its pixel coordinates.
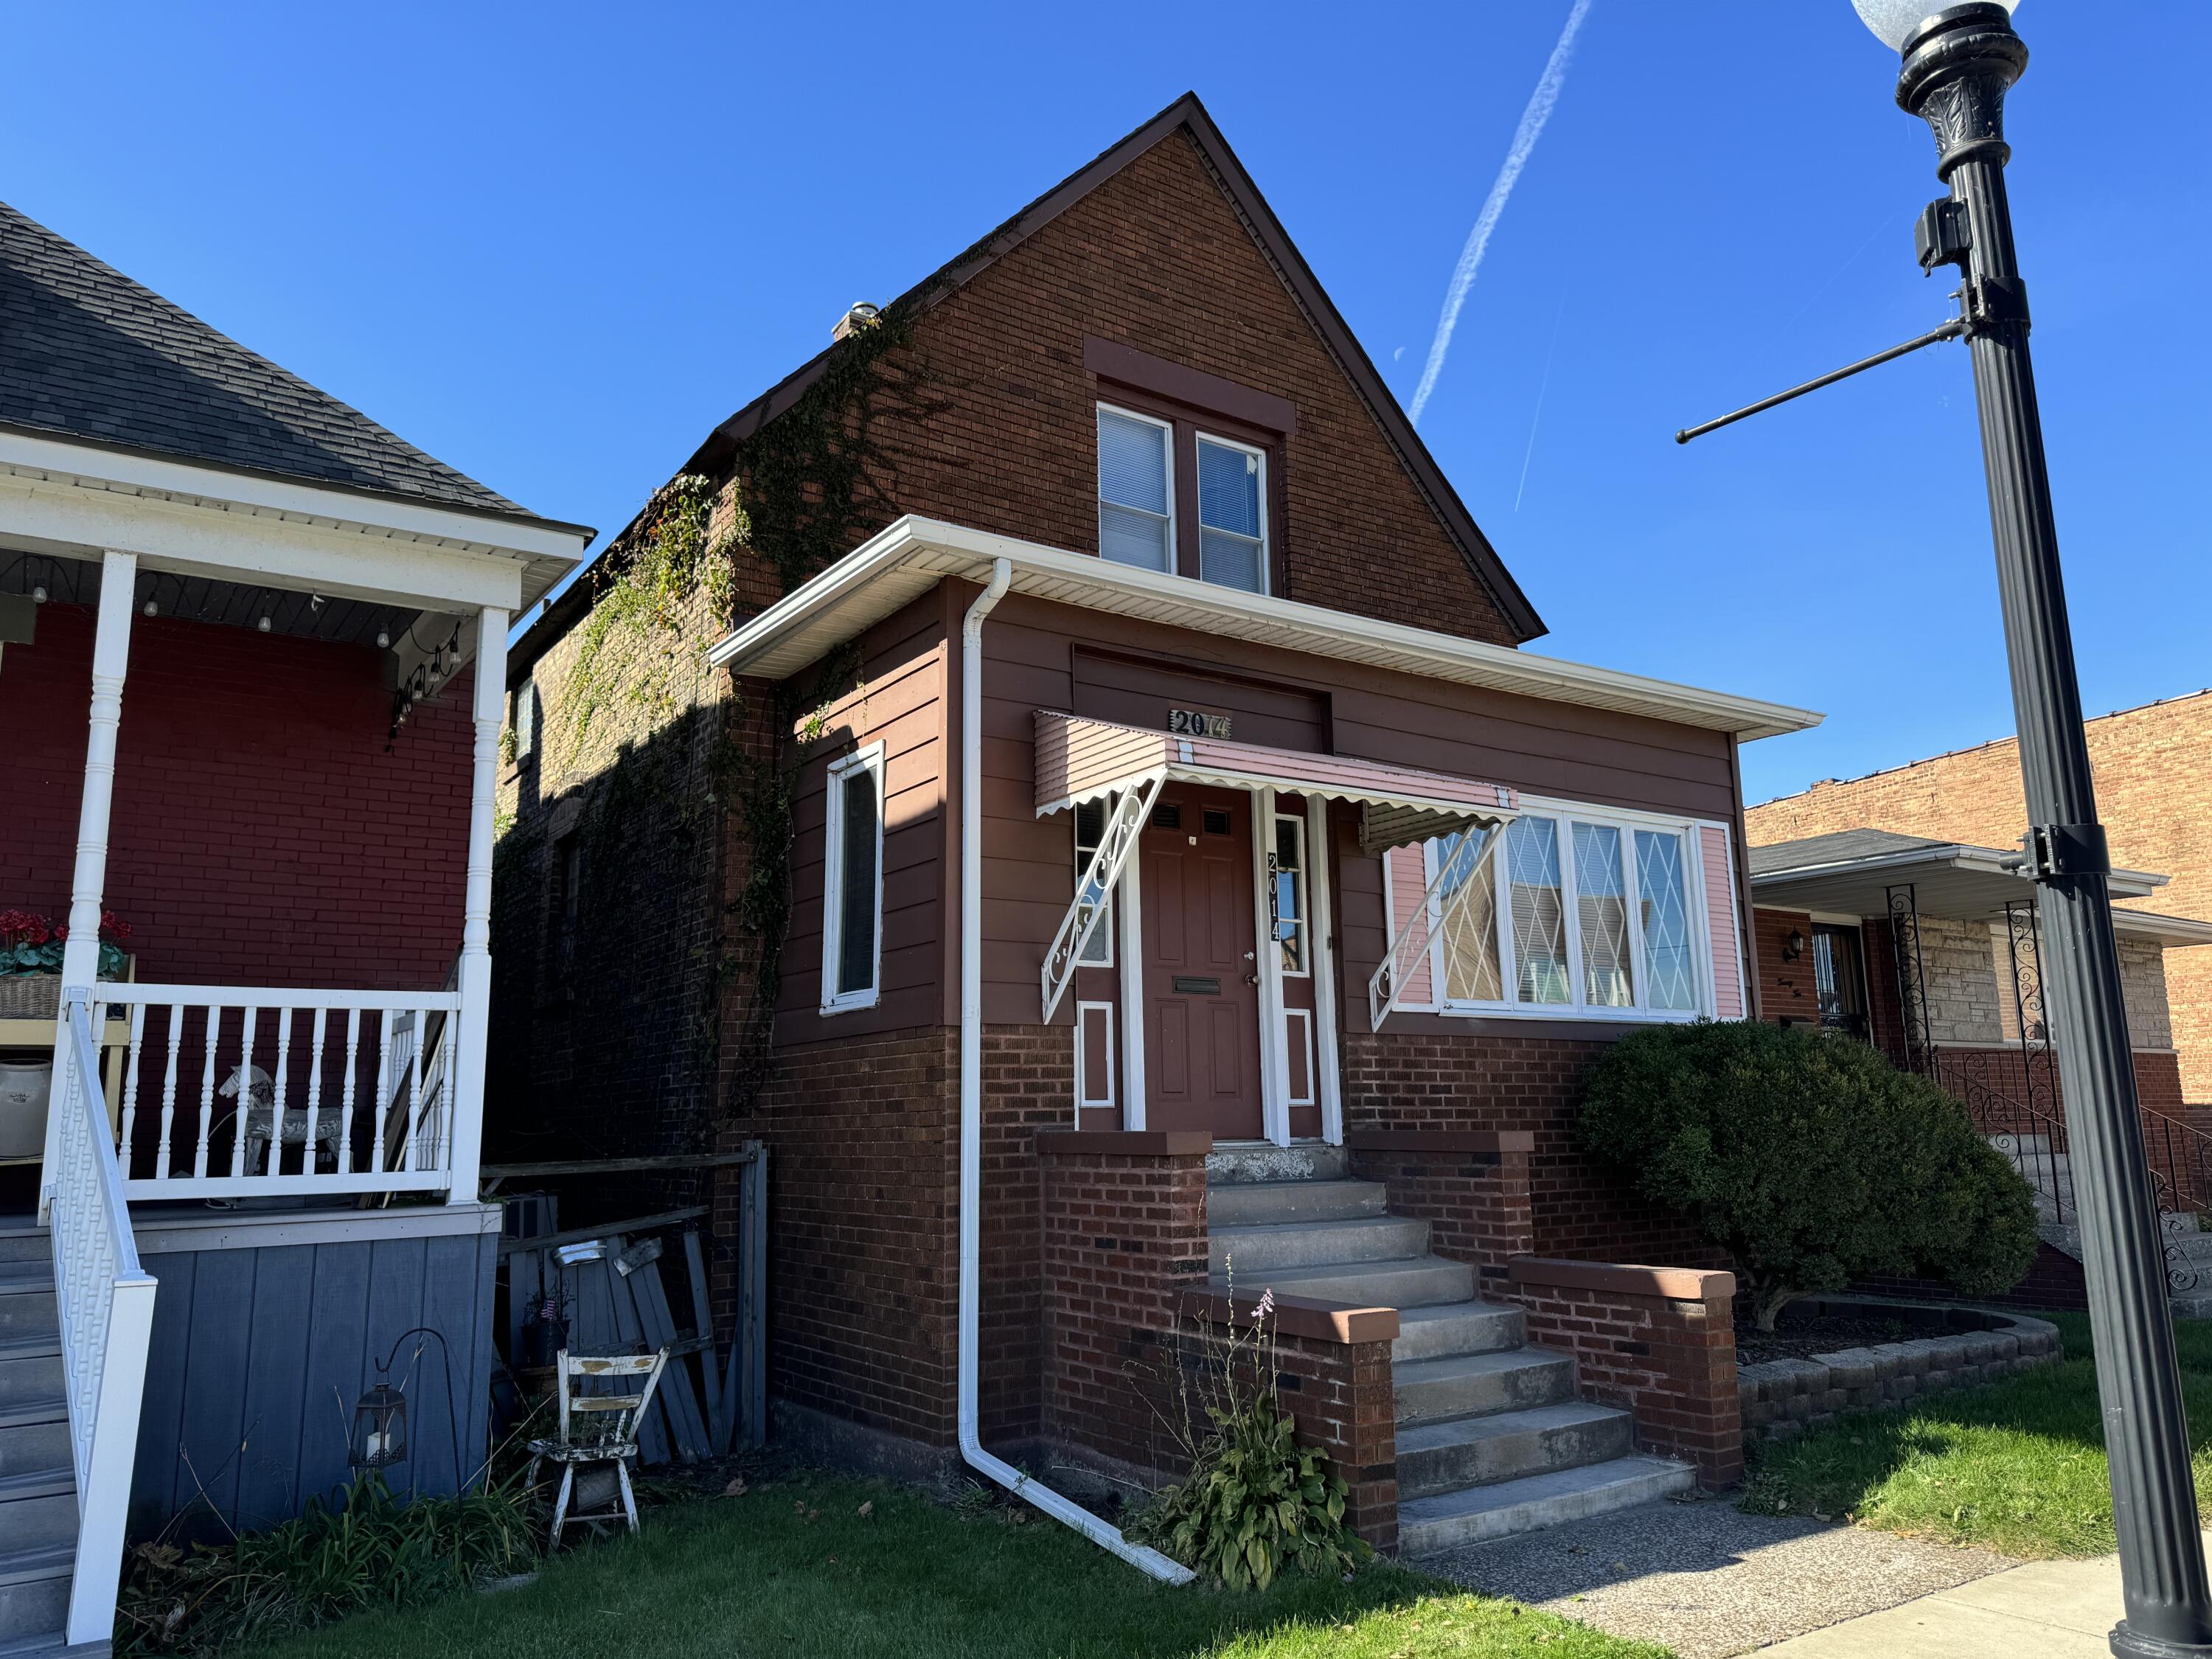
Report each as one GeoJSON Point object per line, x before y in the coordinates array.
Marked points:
{"type": "Point", "coordinates": [1963, 981]}
{"type": "Point", "coordinates": [1782, 1398]}
{"type": "Point", "coordinates": [1659, 1343]}
{"type": "Point", "coordinates": [2153, 792]}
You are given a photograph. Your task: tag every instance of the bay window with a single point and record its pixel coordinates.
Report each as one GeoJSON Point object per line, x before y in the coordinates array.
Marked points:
{"type": "Point", "coordinates": [1570, 914]}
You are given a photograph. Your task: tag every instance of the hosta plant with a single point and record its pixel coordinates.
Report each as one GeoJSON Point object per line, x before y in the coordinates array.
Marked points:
{"type": "Point", "coordinates": [1256, 1504]}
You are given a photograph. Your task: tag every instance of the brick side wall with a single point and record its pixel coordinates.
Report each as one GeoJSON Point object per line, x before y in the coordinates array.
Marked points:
{"type": "Point", "coordinates": [1405, 1081]}
{"type": "Point", "coordinates": [2153, 792]}
{"type": "Point", "coordinates": [267, 828]}
{"type": "Point", "coordinates": [1663, 1348]}
{"type": "Point", "coordinates": [1475, 1197]}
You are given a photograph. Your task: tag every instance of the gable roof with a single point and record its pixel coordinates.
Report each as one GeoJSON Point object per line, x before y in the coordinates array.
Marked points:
{"type": "Point", "coordinates": [88, 355]}
{"type": "Point", "coordinates": [1186, 113]}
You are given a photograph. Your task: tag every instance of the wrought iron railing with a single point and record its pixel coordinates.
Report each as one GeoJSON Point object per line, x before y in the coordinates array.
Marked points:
{"type": "Point", "coordinates": [105, 1301]}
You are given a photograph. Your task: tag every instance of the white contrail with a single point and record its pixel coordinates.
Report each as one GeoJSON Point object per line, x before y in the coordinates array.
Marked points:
{"type": "Point", "coordinates": [1470, 256]}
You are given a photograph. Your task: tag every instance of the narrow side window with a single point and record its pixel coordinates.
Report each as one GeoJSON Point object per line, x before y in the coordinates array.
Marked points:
{"type": "Point", "coordinates": [853, 900]}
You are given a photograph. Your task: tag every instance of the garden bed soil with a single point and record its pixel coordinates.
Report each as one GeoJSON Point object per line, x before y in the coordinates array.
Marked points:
{"type": "Point", "coordinates": [1801, 1339]}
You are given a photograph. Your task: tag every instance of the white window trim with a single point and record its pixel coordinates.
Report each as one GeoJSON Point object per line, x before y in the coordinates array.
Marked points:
{"type": "Point", "coordinates": [1565, 815]}
{"type": "Point", "coordinates": [1298, 822]}
{"type": "Point", "coordinates": [870, 760]}
{"type": "Point", "coordinates": [1099, 485]}
{"type": "Point", "coordinates": [1266, 540]}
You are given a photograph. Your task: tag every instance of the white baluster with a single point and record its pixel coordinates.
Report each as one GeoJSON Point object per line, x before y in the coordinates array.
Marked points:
{"type": "Point", "coordinates": [345, 1118]}
{"type": "Point", "coordinates": [276, 1100]}
{"type": "Point", "coordinates": [130, 1084]}
{"type": "Point", "coordinates": [169, 1092]}
{"type": "Point", "coordinates": [245, 1088]}
{"type": "Point", "coordinates": [448, 1065]}
{"type": "Point", "coordinates": [415, 1089]}
{"type": "Point", "coordinates": [314, 1093]}
{"type": "Point", "coordinates": [383, 1090]}
{"type": "Point", "coordinates": [207, 1094]}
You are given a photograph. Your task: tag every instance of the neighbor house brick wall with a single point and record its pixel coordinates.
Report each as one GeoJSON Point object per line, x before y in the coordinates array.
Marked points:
{"type": "Point", "coordinates": [1787, 994]}
{"type": "Point", "coordinates": [268, 827]}
{"type": "Point", "coordinates": [1659, 1343]}
{"type": "Point", "coordinates": [1405, 1081]}
{"type": "Point", "coordinates": [2153, 794]}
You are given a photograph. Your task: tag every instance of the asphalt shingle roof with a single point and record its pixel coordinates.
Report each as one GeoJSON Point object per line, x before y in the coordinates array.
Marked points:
{"type": "Point", "coordinates": [86, 353]}
{"type": "Point", "coordinates": [1842, 847]}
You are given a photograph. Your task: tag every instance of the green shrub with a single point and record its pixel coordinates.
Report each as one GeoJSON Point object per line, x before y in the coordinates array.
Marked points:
{"type": "Point", "coordinates": [1809, 1158]}
{"type": "Point", "coordinates": [369, 1549]}
{"type": "Point", "coordinates": [1255, 1502]}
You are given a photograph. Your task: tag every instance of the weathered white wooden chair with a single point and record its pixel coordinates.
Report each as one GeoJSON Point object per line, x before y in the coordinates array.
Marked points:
{"type": "Point", "coordinates": [597, 1434]}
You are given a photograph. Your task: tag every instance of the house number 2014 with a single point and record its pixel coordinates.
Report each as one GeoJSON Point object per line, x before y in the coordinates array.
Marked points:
{"type": "Point", "coordinates": [1189, 723]}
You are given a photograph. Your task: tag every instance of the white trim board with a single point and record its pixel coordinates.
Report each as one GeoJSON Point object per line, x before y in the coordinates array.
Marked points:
{"type": "Point", "coordinates": [913, 554]}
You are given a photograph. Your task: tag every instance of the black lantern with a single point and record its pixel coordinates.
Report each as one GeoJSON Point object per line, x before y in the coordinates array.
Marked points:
{"type": "Point", "coordinates": [379, 1427]}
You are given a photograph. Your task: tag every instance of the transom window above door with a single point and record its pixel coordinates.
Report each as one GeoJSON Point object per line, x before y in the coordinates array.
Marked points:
{"type": "Point", "coordinates": [1176, 498]}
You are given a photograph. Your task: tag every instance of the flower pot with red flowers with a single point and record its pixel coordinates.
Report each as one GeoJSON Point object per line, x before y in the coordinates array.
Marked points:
{"type": "Point", "coordinates": [32, 943]}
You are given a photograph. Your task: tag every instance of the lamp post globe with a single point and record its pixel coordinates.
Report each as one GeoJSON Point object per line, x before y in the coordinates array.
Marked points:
{"type": "Point", "coordinates": [1957, 65]}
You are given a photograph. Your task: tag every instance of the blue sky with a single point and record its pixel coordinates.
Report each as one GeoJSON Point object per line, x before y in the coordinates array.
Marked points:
{"type": "Point", "coordinates": [555, 245]}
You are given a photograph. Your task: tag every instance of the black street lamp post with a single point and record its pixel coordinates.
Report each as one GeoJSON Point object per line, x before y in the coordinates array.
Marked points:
{"type": "Point", "coordinates": [1958, 67]}
{"type": "Point", "coordinates": [1959, 63]}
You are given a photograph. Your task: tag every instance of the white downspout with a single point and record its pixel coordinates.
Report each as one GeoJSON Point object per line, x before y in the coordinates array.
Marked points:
{"type": "Point", "coordinates": [971, 1111]}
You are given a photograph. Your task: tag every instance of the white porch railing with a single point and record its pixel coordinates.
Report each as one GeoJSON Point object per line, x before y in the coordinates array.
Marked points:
{"type": "Point", "coordinates": [106, 1304]}
{"type": "Point", "coordinates": [232, 1092]}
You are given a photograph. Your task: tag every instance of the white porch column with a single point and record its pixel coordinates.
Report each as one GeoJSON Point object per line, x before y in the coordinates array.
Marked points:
{"type": "Point", "coordinates": [491, 704]}
{"type": "Point", "coordinates": [111, 656]}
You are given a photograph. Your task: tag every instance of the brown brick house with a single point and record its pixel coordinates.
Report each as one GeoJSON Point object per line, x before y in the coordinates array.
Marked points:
{"type": "Point", "coordinates": [1059, 769]}
{"type": "Point", "coordinates": [2153, 791]}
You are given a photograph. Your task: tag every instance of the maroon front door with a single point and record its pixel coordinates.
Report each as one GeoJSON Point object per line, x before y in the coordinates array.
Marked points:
{"type": "Point", "coordinates": [1201, 974]}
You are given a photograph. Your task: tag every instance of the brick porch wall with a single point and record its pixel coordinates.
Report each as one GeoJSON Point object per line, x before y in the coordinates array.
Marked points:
{"type": "Point", "coordinates": [1398, 1082]}
{"type": "Point", "coordinates": [1125, 1300]}
{"type": "Point", "coordinates": [1656, 1341]}
{"type": "Point", "coordinates": [1471, 1186]}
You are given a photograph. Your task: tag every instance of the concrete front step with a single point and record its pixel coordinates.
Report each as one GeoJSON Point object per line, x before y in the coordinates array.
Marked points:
{"type": "Point", "coordinates": [1457, 1327]}
{"type": "Point", "coordinates": [1265, 1203]}
{"type": "Point", "coordinates": [1478, 1451]}
{"type": "Point", "coordinates": [1317, 1244]}
{"type": "Point", "coordinates": [1448, 1520]}
{"type": "Point", "coordinates": [1234, 1161]}
{"type": "Point", "coordinates": [1470, 1384]}
{"type": "Point", "coordinates": [1422, 1282]}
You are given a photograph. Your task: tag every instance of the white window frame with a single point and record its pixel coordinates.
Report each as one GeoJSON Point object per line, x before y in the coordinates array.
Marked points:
{"type": "Point", "coordinates": [526, 718]}
{"type": "Point", "coordinates": [1267, 544]}
{"type": "Point", "coordinates": [1298, 822]}
{"type": "Point", "coordinates": [1173, 565]}
{"type": "Point", "coordinates": [870, 760]}
{"type": "Point", "coordinates": [1566, 815]}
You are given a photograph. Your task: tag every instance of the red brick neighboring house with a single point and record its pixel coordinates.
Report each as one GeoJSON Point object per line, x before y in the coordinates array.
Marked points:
{"type": "Point", "coordinates": [1188, 878]}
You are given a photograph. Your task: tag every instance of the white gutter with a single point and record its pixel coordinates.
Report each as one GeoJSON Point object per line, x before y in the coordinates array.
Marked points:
{"type": "Point", "coordinates": [971, 1111]}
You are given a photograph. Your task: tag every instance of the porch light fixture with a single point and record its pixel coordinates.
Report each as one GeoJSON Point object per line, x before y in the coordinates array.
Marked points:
{"type": "Point", "coordinates": [150, 608]}
{"type": "Point", "coordinates": [1794, 946]}
{"type": "Point", "coordinates": [1959, 62]}
{"type": "Point", "coordinates": [263, 624]}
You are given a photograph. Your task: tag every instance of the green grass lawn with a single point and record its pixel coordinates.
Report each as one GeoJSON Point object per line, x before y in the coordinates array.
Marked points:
{"type": "Point", "coordinates": [2017, 1466]}
{"type": "Point", "coordinates": [794, 1569]}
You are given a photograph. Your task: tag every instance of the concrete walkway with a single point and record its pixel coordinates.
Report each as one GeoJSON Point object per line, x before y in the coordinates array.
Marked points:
{"type": "Point", "coordinates": [2043, 1610]}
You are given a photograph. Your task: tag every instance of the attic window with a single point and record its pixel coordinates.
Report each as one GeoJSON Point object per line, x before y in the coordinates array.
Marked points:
{"type": "Point", "coordinates": [1176, 498]}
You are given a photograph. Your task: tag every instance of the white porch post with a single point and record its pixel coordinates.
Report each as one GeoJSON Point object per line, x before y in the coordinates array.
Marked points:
{"type": "Point", "coordinates": [476, 926]}
{"type": "Point", "coordinates": [1268, 960]}
{"type": "Point", "coordinates": [111, 656]}
{"type": "Point", "coordinates": [1321, 931]}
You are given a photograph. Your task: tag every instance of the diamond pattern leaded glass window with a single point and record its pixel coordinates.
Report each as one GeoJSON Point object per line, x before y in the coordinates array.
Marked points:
{"type": "Point", "coordinates": [1601, 914]}
{"type": "Point", "coordinates": [1669, 965]}
{"type": "Point", "coordinates": [1472, 972]}
{"type": "Point", "coordinates": [1538, 903]}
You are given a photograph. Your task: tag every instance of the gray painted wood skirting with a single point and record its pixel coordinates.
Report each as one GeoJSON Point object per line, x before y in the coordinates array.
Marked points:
{"type": "Point", "coordinates": [260, 1352]}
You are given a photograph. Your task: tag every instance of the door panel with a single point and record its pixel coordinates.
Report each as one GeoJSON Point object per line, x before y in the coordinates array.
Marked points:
{"type": "Point", "coordinates": [1202, 999]}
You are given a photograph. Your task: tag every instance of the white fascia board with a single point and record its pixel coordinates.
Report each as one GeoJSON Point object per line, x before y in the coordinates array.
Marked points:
{"type": "Point", "coordinates": [842, 599]}
{"type": "Point", "coordinates": [179, 516]}
{"type": "Point", "coordinates": [2175, 932]}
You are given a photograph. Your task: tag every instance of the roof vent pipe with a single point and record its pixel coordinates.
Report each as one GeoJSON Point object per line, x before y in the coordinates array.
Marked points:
{"type": "Point", "coordinates": [859, 315]}
{"type": "Point", "coordinates": [971, 1111]}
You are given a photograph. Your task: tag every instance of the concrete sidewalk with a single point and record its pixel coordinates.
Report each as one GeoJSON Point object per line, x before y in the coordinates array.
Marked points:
{"type": "Point", "coordinates": [2043, 1610]}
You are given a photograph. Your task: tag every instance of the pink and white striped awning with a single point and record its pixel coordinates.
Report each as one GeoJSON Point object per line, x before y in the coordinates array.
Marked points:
{"type": "Point", "coordinates": [1079, 760]}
